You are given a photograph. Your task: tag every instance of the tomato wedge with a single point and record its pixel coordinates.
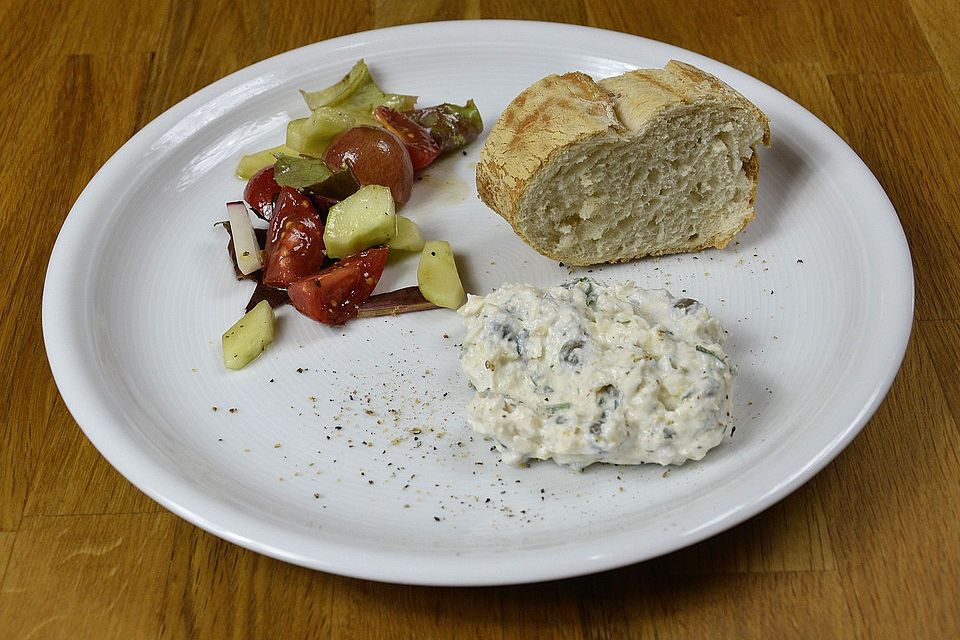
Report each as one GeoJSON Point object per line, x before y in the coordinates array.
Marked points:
{"type": "Point", "coordinates": [294, 240]}
{"type": "Point", "coordinates": [334, 295]}
{"type": "Point", "coordinates": [420, 144]}
{"type": "Point", "coordinates": [261, 192]}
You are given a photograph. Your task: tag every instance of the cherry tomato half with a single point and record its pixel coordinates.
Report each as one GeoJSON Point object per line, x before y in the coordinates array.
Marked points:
{"type": "Point", "coordinates": [294, 240]}
{"type": "Point", "coordinates": [420, 144]}
{"type": "Point", "coordinates": [334, 295]}
{"type": "Point", "coordinates": [261, 192]}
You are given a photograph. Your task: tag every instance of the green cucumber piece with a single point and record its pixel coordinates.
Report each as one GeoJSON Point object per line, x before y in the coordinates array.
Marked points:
{"type": "Point", "coordinates": [248, 338]}
{"type": "Point", "coordinates": [409, 236]}
{"type": "Point", "coordinates": [437, 275]}
{"type": "Point", "coordinates": [253, 162]}
{"type": "Point", "coordinates": [365, 219]}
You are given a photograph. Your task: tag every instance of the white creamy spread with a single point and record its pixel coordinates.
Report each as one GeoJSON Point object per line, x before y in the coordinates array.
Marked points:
{"type": "Point", "coordinates": [592, 372]}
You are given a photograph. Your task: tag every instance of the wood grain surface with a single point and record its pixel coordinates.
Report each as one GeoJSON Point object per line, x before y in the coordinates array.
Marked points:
{"type": "Point", "coordinates": [869, 548]}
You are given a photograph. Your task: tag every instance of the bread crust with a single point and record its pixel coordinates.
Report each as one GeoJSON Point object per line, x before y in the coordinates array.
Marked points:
{"type": "Point", "coordinates": [560, 111]}
{"type": "Point", "coordinates": [550, 115]}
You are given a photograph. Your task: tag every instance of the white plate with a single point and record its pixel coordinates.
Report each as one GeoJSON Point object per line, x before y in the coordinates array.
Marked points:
{"type": "Point", "coordinates": [345, 449]}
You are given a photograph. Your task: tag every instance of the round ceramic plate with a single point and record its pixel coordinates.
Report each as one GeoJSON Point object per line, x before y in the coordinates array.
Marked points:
{"type": "Point", "coordinates": [345, 449]}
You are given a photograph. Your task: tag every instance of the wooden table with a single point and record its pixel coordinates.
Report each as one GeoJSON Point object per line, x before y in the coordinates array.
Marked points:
{"type": "Point", "coordinates": [869, 548]}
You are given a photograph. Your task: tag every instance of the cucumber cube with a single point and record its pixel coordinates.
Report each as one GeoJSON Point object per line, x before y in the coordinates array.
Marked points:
{"type": "Point", "coordinates": [409, 236]}
{"type": "Point", "coordinates": [437, 275]}
{"type": "Point", "coordinates": [365, 219]}
{"type": "Point", "coordinates": [248, 338]}
{"type": "Point", "coordinates": [252, 163]}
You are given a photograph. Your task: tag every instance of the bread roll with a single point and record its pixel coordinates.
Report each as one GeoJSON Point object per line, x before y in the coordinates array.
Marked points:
{"type": "Point", "coordinates": [651, 162]}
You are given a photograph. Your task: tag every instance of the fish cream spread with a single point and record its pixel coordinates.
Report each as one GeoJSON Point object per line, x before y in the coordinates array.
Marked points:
{"type": "Point", "coordinates": [592, 372]}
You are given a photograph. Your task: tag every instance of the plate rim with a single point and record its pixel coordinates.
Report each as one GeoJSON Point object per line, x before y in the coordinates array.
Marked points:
{"type": "Point", "coordinates": [63, 356]}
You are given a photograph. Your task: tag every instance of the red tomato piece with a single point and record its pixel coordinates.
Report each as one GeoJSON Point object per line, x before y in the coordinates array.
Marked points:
{"type": "Point", "coordinates": [294, 240]}
{"type": "Point", "coordinates": [420, 144]}
{"type": "Point", "coordinates": [334, 295]}
{"type": "Point", "coordinates": [374, 156]}
{"type": "Point", "coordinates": [261, 192]}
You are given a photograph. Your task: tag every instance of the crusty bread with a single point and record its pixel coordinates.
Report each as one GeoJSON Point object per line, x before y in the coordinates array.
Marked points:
{"type": "Point", "coordinates": [651, 162]}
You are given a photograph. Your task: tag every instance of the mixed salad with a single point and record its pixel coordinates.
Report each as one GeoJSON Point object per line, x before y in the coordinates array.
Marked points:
{"type": "Point", "coordinates": [327, 204]}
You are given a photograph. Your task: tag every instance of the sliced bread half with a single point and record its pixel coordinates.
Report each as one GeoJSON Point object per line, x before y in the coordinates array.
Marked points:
{"type": "Point", "coordinates": [651, 162]}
